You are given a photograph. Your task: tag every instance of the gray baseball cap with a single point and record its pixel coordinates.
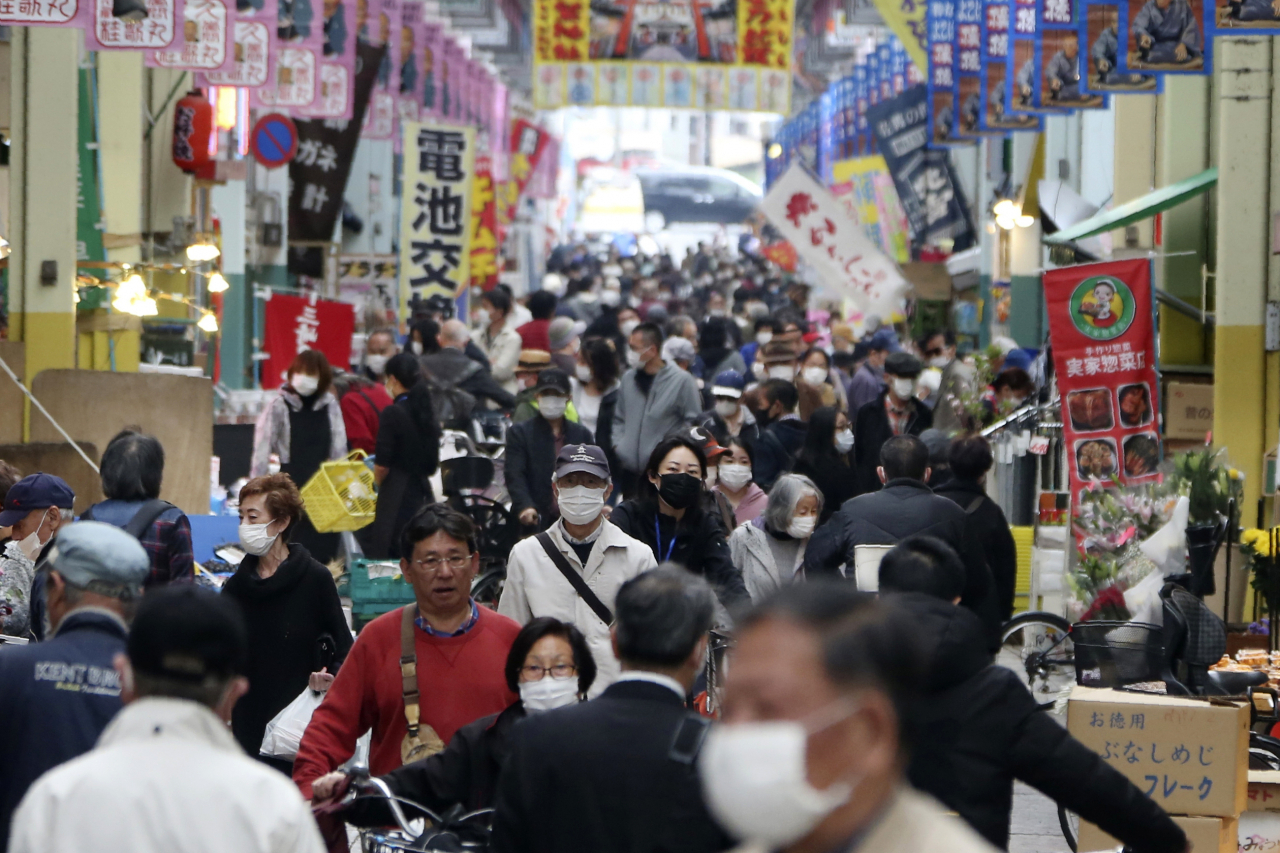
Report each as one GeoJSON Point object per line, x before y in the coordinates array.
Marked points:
{"type": "Point", "coordinates": [89, 551]}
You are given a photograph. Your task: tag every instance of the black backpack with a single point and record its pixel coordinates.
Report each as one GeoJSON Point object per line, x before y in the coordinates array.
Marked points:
{"type": "Point", "coordinates": [142, 519]}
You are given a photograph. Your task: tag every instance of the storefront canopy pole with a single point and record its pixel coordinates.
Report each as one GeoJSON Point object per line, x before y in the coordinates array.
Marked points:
{"type": "Point", "coordinates": [1143, 207]}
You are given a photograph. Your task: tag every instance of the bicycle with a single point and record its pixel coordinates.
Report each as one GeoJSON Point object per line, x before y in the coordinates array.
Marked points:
{"type": "Point", "coordinates": [1037, 646]}
{"type": "Point", "coordinates": [455, 831]}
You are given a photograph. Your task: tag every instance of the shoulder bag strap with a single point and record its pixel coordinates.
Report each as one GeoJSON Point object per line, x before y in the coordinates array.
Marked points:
{"type": "Point", "coordinates": [87, 515]}
{"type": "Point", "coordinates": [145, 517]}
{"type": "Point", "coordinates": [409, 669]}
{"type": "Point", "coordinates": [576, 580]}
{"type": "Point", "coordinates": [973, 506]}
{"type": "Point", "coordinates": [377, 410]}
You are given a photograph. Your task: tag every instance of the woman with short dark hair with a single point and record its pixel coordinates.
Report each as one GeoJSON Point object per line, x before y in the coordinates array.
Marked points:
{"type": "Point", "coordinates": [406, 455]}
{"type": "Point", "coordinates": [825, 458]}
{"type": "Point", "coordinates": [549, 666]}
{"type": "Point", "coordinates": [132, 470]}
{"type": "Point", "coordinates": [298, 635]}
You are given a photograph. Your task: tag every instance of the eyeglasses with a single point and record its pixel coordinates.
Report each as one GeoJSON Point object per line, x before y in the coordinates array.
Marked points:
{"type": "Point", "coordinates": [933, 352]}
{"type": "Point", "coordinates": [533, 672]}
{"type": "Point", "coordinates": [433, 563]}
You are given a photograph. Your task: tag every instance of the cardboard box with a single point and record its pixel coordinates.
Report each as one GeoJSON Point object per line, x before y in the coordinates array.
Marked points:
{"type": "Point", "coordinates": [1206, 834]}
{"type": "Point", "coordinates": [1189, 755]}
{"type": "Point", "coordinates": [1264, 791]}
{"type": "Point", "coordinates": [1259, 831]}
{"type": "Point", "coordinates": [1188, 410]}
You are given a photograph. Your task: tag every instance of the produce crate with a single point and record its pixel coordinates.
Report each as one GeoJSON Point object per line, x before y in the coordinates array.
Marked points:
{"type": "Point", "coordinates": [342, 495]}
{"type": "Point", "coordinates": [373, 596]}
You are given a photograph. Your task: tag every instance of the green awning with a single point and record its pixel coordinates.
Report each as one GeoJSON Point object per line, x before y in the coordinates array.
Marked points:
{"type": "Point", "coordinates": [1140, 208]}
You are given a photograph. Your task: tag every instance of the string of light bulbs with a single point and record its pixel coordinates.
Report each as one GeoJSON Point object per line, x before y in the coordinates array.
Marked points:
{"type": "Point", "coordinates": [132, 296]}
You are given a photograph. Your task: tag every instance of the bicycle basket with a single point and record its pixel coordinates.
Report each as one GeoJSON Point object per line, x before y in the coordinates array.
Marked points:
{"type": "Point", "coordinates": [1112, 654]}
{"type": "Point", "coordinates": [341, 496]}
{"type": "Point", "coordinates": [466, 473]}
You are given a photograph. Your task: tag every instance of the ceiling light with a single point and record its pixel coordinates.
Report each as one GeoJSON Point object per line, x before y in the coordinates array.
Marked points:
{"type": "Point", "coordinates": [217, 284]}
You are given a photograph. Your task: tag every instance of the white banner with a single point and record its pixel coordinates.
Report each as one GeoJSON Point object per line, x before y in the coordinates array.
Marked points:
{"type": "Point", "coordinates": [828, 239]}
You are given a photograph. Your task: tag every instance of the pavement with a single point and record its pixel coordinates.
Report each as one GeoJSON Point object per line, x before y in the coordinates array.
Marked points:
{"type": "Point", "coordinates": [1034, 827]}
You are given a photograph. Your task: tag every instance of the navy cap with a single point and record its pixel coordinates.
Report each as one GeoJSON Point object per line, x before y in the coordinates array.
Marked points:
{"type": "Point", "coordinates": [586, 458]}
{"type": "Point", "coordinates": [553, 379]}
{"type": "Point", "coordinates": [884, 339]}
{"type": "Point", "coordinates": [1017, 358]}
{"type": "Point", "coordinates": [89, 551]}
{"type": "Point", "coordinates": [728, 383]}
{"type": "Point", "coordinates": [188, 633]}
{"type": "Point", "coordinates": [903, 364]}
{"type": "Point", "coordinates": [38, 491]}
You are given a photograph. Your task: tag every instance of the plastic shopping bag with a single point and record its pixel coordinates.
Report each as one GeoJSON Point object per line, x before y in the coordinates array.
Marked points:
{"type": "Point", "coordinates": [284, 732]}
{"type": "Point", "coordinates": [1143, 599]}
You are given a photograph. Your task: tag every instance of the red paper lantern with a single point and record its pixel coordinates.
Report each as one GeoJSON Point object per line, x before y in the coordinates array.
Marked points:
{"type": "Point", "coordinates": [192, 127]}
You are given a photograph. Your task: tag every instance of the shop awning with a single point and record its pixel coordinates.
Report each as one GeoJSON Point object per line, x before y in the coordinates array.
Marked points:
{"type": "Point", "coordinates": [1140, 208]}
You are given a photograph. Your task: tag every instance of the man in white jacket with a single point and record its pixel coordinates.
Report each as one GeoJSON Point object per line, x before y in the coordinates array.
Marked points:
{"type": "Point", "coordinates": [167, 774]}
{"type": "Point", "coordinates": [600, 556]}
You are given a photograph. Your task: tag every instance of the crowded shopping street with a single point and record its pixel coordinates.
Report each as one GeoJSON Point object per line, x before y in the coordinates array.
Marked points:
{"type": "Point", "coordinates": [639, 426]}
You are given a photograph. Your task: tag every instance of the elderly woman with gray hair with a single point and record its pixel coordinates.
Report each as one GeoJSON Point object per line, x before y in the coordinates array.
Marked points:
{"type": "Point", "coordinates": [770, 549]}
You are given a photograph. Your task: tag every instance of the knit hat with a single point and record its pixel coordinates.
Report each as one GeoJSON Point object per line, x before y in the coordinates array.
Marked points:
{"type": "Point", "coordinates": [560, 332]}
{"type": "Point", "coordinates": [678, 349]}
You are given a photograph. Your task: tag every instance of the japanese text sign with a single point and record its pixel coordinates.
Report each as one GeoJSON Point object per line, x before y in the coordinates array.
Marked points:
{"type": "Point", "coordinates": [942, 71]}
{"type": "Point", "coordinates": [205, 40]}
{"type": "Point", "coordinates": [1189, 756]}
{"type": "Point", "coordinates": [51, 13]}
{"type": "Point", "coordinates": [1060, 60]}
{"type": "Point", "coordinates": [254, 36]}
{"type": "Point", "coordinates": [296, 323]}
{"type": "Point", "coordinates": [833, 243]}
{"type": "Point", "coordinates": [108, 32]}
{"type": "Point", "coordinates": [1101, 323]}
{"type": "Point", "coordinates": [484, 226]}
{"type": "Point", "coordinates": [995, 61]}
{"type": "Point", "coordinates": [435, 220]}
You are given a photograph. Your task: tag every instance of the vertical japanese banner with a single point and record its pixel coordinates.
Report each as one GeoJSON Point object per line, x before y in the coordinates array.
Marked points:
{"type": "Point", "coordinates": [1103, 29]}
{"type": "Point", "coordinates": [528, 142]}
{"type": "Point", "coordinates": [830, 241]}
{"type": "Point", "coordinates": [1243, 17]}
{"type": "Point", "coordinates": [107, 32]}
{"type": "Point", "coordinates": [942, 72]}
{"type": "Point", "coordinates": [205, 41]}
{"type": "Point", "coordinates": [381, 30]}
{"type": "Point", "coordinates": [1020, 62]}
{"type": "Point", "coordinates": [292, 324]}
{"type": "Point", "coordinates": [1168, 36]}
{"type": "Point", "coordinates": [995, 69]}
{"type": "Point", "coordinates": [1102, 327]}
{"type": "Point", "coordinates": [296, 60]}
{"type": "Point", "coordinates": [435, 219]}
{"type": "Point", "coordinates": [254, 37]}
{"type": "Point", "coordinates": [1059, 59]}
{"type": "Point", "coordinates": [866, 141]}
{"type": "Point", "coordinates": [335, 77]}
{"type": "Point", "coordinates": [969, 69]}
{"type": "Point", "coordinates": [898, 66]}
{"type": "Point", "coordinates": [409, 73]}
{"type": "Point", "coordinates": [484, 227]}
{"type": "Point", "coordinates": [907, 20]}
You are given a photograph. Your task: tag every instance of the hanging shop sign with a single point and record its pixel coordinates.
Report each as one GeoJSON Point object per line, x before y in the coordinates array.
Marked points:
{"type": "Point", "coordinates": [1104, 27]}
{"type": "Point", "coordinates": [866, 189]}
{"type": "Point", "coordinates": [1060, 62]}
{"type": "Point", "coordinates": [1101, 325]}
{"type": "Point", "coordinates": [435, 220]}
{"type": "Point", "coordinates": [273, 140]}
{"type": "Point", "coordinates": [192, 132]}
{"type": "Point", "coordinates": [293, 324]}
{"type": "Point", "coordinates": [684, 53]}
{"type": "Point", "coordinates": [254, 36]}
{"type": "Point", "coordinates": [205, 44]}
{"type": "Point", "coordinates": [298, 52]}
{"type": "Point", "coordinates": [831, 242]}
{"type": "Point", "coordinates": [968, 55]}
{"type": "Point", "coordinates": [382, 29]}
{"type": "Point", "coordinates": [927, 187]}
{"type": "Point", "coordinates": [996, 114]}
{"type": "Point", "coordinates": [107, 32]}
{"type": "Point", "coordinates": [55, 13]}
{"type": "Point", "coordinates": [484, 226]}
{"type": "Point", "coordinates": [942, 72]}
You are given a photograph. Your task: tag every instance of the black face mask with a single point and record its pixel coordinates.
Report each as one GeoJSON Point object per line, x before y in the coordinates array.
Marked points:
{"type": "Point", "coordinates": [679, 490]}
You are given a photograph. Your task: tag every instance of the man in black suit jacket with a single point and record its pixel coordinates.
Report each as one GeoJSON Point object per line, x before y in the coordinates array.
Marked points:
{"type": "Point", "coordinates": [905, 507]}
{"type": "Point", "coordinates": [532, 447]}
{"type": "Point", "coordinates": [618, 774]}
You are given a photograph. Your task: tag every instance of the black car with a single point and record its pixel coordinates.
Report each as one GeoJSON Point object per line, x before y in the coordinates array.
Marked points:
{"type": "Point", "coordinates": [696, 195]}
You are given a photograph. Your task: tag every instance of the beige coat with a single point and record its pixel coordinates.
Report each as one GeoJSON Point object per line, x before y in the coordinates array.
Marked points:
{"type": "Point", "coordinates": [535, 587]}
{"type": "Point", "coordinates": [914, 823]}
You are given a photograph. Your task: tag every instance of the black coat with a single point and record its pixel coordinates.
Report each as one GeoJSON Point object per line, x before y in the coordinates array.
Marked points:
{"type": "Point", "coordinates": [604, 429]}
{"type": "Point", "coordinates": [992, 529]}
{"type": "Point", "coordinates": [600, 777]}
{"type": "Point", "coordinates": [455, 368]}
{"type": "Point", "coordinates": [978, 728]}
{"type": "Point", "coordinates": [700, 545]}
{"type": "Point", "coordinates": [871, 429]}
{"type": "Point", "coordinates": [465, 772]}
{"type": "Point", "coordinates": [714, 424]}
{"type": "Point", "coordinates": [834, 478]}
{"type": "Point", "coordinates": [904, 508]}
{"type": "Point", "coordinates": [287, 615]}
{"type": "Point", "coordinates": [776, 450]}
{"type": "Point", "coordinates": [530, 462]}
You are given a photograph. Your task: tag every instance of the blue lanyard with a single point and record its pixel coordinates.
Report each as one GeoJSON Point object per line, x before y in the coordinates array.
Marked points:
{"type": "Point", "coordinates": [657, 534]}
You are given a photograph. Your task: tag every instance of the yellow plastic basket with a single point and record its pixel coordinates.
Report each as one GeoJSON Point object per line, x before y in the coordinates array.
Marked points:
{"type": "Point", "coordinates": [341, 495]}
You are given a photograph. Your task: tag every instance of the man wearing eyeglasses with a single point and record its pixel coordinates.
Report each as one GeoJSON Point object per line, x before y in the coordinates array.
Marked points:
{"type": "Point", "coordinates": [455, 648]}
{"type": "Point", "coordinates": [939, 350]}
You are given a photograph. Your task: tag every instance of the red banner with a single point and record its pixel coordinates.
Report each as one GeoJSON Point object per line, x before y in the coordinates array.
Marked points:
{"type": "Point", "coordinates": [297, 323]}
{"type": "Point", "coordinates": [484, 216]}
{"type": "Point", "coordinates": [1102, 327]}
{"type": "Point", "coordinates": [528, 143]}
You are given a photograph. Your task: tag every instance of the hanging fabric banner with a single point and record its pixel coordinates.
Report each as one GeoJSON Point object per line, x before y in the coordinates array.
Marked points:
{"type": "Point", "coordinates": [435, 219]}
{"type": "Point", "coordinates": [1103, 29]}
{"type": "Point", "coordinates": [107, 32]}
{"type": "Point", "coordinates": [1101, 325]}
{"type": "Point", "coordinates": [296, 62]}
{"type": "Point", "coordinates": [484, 227]}
{"type": "Point", "coordinates": [382, 29]}
{"type": "Point", "coordinates": [995, 64]}
{"type": "Point", "coordinates": [292, 324]}
{"type": "Point", "coordinates": [206, 40]}
{"type": "Point", "coordinates": [1168, 36]}
{"type": "Point", "coordinates": [906, 18]}
{"type": "Point", "coordinates": [64, 13]}
{"type": "Point", "coordinates": [1244, 17]}
{"type": "Point", "coordinates": [942, 72]}
{"type": "Point", "coordinates": [862, 99]}
{"type": "Point", "coordinates": [682, 53]}
{"type": "Point", "coordinates": [1059, 62]}
{"type": "Point", "coordinates": [254, 34]}
{"type": "Point", "coordinates": [969, 70]}
{"type": "Point", "coordinates": [865, 187]}
{"type": "Point", "coordinates": [335, 86]}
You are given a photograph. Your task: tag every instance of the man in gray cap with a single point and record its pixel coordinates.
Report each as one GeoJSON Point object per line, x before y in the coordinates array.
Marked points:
{"type": "Point", "coordinates": [56, 697]}
{"type": "Point", "coordinates": [895, 411]}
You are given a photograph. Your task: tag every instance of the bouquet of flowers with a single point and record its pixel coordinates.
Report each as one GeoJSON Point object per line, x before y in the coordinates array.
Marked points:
{"type": "Point", "coordinates": [1107, 519]}
{"type": "Point", "coordinates": [1258, 547]}
{"type": "Point", "coordinates": [1210, 483]}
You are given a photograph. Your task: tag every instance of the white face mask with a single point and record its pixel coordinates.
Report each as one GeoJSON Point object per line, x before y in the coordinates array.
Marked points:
{"type": "Point", "coordinates": [628, 326]}
{"type": "Point", "coordinates": [754, 780]}
{"type": "Point", "coordinates": [633, 358]}
{"type": "Point", "coordinates": [904, 387]}
{"type": "Point", "coordinates": [757, 370]}
{"type": "Point", "coordinates": [580, 504]}
{"type": "Point", "coordinates": [610, 298]}
{"type": "Point", "coordinates": [734, 475]}
{"type": "Point", "coordinates": [30, 545]}
{"type": "Point", "coordinates": [583, 372]}
{"type": "Point", "coordinates": [782, 371]}
{"type": "Point", "coordinates": [376, 364]}
{"type": "Point", "coordinates": [939, 361]}
{"type": "Point", "coordinates": [416, 346]}
{"type": "Point", "coordinates": [1017, 402]}
{"type": "Point", "coordinates": [551, 406]}
{"type": "Point", "coordinates": [548, 693]}
{"type": "Point", "coordinates": [305, 385]}
{"type": "Point", "coordinates": [716, 312]}
{"type": "Point", "coordinates": [814, 375]}
{"type": "Point", "coordinates": [255, 539]}
{"type": "Point", "coordinates": [801, 527]}
{"type": "Point", "coordinates": [482, 319]}
{"type": "Point", "coordinates": [763, 338]}
{"type": "Point", "coordinates": [844, 441]}
{"type": "Point", "coordinates": [726, 408]}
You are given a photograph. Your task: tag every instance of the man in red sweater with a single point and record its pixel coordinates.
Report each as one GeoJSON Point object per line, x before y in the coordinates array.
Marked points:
{"type": "Point", "coordinates": [461, 651]}
{"type": "Point", "coordinates": [533, 334]}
